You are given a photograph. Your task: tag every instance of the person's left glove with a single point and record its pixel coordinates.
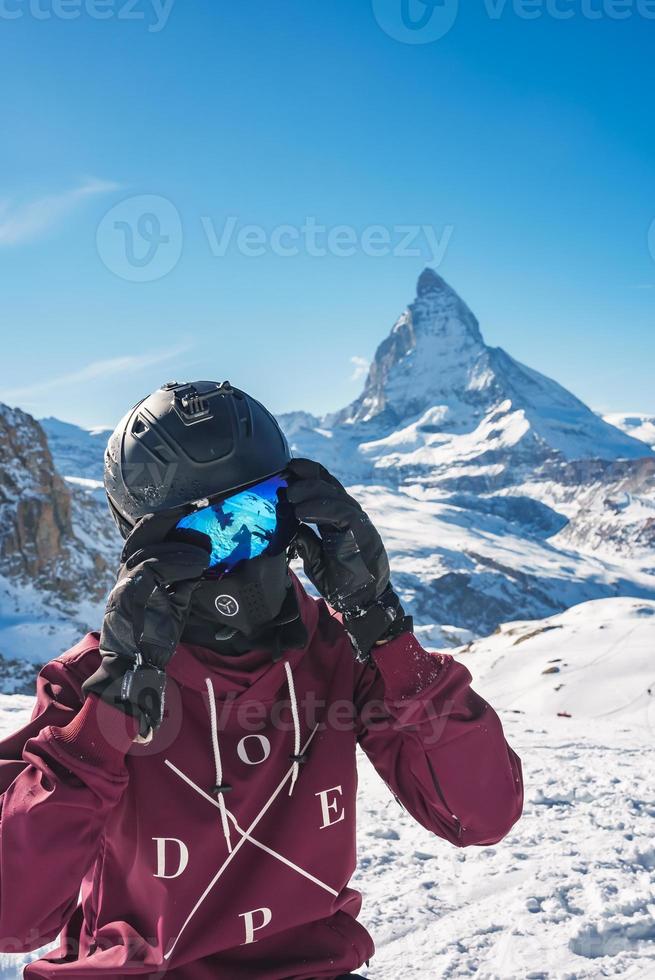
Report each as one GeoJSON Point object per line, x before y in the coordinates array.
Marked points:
{"type": "Point", "coordinates": [144, 618]}
{"type": "Point", "coordinates": [348, 563]}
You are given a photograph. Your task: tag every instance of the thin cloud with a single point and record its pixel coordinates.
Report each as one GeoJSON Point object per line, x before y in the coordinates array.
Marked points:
{"type": "Point", "coordinates": [360, 366]}
{"type": "Point", "coordinates": [95, 371]}
{"type": "Point", "coordinates": [26, 222]}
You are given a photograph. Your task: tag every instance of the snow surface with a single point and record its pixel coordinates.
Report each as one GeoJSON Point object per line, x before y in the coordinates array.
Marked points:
{"type": "Point", "coordinates": [570, 893]}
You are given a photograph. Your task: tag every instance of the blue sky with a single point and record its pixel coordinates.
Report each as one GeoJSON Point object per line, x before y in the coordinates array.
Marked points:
{"type": "Point", "coordinates": [135, 150]}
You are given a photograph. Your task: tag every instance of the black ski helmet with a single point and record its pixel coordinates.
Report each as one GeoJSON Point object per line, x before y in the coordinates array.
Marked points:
{"type": "Point", "coordinates": [185, 442]}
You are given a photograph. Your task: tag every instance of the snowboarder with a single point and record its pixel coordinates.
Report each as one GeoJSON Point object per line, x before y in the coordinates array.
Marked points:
{"type": "Point", "coordinates": [182, 802]}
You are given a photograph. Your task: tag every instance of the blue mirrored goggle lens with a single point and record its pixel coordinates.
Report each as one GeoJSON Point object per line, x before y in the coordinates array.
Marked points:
{"type": "Point", "coordinates": [242, 526]}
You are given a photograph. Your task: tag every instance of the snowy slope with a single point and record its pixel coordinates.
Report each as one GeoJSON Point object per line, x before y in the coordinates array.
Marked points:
{"type": "Point", "coordinates": [609, 508]}
{"type": "Point", "coordinates": [570, 893]}
{"type": "Point", "coordinates": [596, 660]}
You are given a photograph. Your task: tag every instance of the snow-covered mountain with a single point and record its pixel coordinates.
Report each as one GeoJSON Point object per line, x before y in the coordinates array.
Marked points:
{"type": "Point", "coordinates": [444, 415]}
{"type": "Point", "coordinates": [505, 494]}
{"type": "Point", "coordinates": [460, 566]}
{"type": "Point", "coordinates": [442, 407]}
{"type": "Point", "coordinates": [634, 424]}
{"type": "Point", "coordinates": [78, 453]}
{"type": "Point", "coordinates": [435, 374]}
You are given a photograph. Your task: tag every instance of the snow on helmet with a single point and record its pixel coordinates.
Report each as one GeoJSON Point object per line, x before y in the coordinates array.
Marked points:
{"type": "Point", "coordinates": [185, 442]}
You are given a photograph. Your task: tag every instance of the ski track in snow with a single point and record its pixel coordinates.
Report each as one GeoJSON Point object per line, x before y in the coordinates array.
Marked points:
{"type": "Point", "coordinates": [569, 893]}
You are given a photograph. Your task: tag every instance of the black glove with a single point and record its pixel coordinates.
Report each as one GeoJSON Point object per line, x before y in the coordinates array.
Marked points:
{"type": "Point", "coordinates": [348, 563]}
{"type": "Point", "coordinates": [144, 618]}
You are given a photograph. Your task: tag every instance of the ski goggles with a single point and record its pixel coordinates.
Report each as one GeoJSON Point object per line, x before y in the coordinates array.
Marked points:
{"type": "Point", "coordinates": [246, 524]}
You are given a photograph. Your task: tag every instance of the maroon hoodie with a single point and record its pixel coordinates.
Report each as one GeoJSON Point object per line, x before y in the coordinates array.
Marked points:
{"type": "Point", "coordinates": [182, 880]}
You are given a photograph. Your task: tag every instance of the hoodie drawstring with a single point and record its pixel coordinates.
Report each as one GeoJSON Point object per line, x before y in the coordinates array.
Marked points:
{"type": "Point", "coordinates": [296, 757]}
{"type": "Point", "coordinates": [219, 788]}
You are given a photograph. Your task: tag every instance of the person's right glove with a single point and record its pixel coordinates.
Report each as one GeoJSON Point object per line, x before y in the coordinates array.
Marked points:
{"type": "Point", "coordinates": [144, 618]}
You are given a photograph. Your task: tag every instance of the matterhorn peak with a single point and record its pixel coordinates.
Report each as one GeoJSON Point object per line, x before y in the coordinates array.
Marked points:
{"type": "Point", "coordinates": [431, 357]}
{"type": "Point", "coordinates": [430, 282]}
{"type": "Point", "coordinates": [435, 371]}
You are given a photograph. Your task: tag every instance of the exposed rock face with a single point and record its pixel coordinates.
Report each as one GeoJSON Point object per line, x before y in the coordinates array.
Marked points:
{"type": "Point", "coordinates": [54, 569]}
{"type": "Point", "coordinates": [35, 504]}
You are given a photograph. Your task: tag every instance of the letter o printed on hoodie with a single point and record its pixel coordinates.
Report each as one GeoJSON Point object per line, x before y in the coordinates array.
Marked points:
{"type": "Point", "coordinates": [243, 755]}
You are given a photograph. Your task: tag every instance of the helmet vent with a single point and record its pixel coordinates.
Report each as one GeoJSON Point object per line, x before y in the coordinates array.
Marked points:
{"type": "Point", "coordinates": [140, 426]}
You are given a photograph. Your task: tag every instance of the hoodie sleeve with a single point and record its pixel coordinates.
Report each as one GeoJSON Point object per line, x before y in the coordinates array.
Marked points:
{"type": "Point", "coordinates": [60, 775]}
{"type": "Point", "coordinates": [437, 744]}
